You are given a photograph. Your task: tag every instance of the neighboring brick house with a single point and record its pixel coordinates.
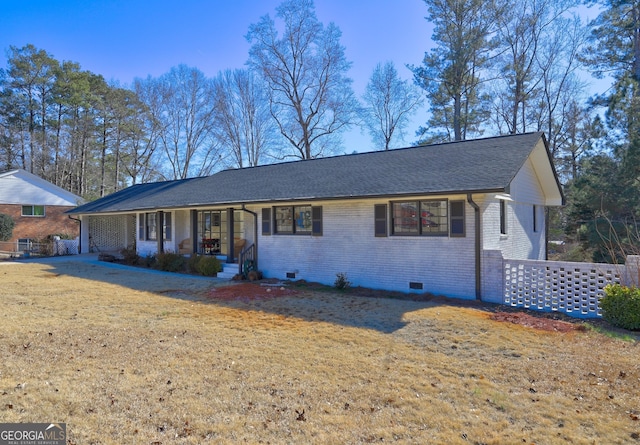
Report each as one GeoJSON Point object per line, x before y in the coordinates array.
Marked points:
{"type": "Point", "coordinates": [37, 207]}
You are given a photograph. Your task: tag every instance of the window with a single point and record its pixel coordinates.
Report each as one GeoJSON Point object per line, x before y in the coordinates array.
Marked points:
{"type": "Point", "coordinates": [32, 210]}
{"type": "Point", "coordinates": [300, 220]}
{"type": "Point", "coordinates": [503, 217]}
{"type": "Point", "coordinates": [150, 227]}
{"type": "Point", "coordinates": [266, 221]}
{"type": "Point", "coordinates": [24, 244]}
{"type": "Point", "coordinates": [166, 225]}
{"type": "Point", "coordinates": [420, 218]}
{"type": "Point", "coordinates": [535, 218]}
{"type": "Point", "coordinates": [148, 223]}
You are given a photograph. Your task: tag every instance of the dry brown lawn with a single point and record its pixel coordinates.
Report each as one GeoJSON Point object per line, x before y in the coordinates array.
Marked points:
{"type": "Point", "coordinates": [132, 357]}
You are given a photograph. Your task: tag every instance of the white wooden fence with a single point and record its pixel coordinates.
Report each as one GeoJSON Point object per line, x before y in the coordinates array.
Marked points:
{"type": "Point", "coordinates": [571, 288]}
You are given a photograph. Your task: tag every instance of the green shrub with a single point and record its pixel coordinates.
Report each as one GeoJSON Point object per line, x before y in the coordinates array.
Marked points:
{"type": "Point", "coordinates": [130, 256]}
{"type": "Point", "coordinates": [208, 266]}
{"type": "Point", "coordinates": [6, 227]}
{"type": "Point", "coordinates": [169, 262]}
{"type": "Point", "coordinates": [147, 261]}
{"type": "Point", "coordinates": [621, 306]}
{"type": "Point", "coordinates": [192, 263]}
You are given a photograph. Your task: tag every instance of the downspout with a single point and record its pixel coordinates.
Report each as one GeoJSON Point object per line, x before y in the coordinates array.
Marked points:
{"type": "Point", "coordinates": [255, 230]}
{"type": "Point", "coordinates": [80, 234]}
{"type": "Point", "coordinates": [478, 246]}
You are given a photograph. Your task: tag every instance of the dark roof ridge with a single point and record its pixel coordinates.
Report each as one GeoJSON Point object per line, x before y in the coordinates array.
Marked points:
{"type": "Point", "coordinates": [374, 152]}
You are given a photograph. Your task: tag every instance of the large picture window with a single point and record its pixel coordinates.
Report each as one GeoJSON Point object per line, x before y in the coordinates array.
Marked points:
{"type": "Point", "coordinates": [299, 220]}
{"type": "Point", "coordinates": [436, 217]}
{"type": "Point", "coordinates": [420, 217]}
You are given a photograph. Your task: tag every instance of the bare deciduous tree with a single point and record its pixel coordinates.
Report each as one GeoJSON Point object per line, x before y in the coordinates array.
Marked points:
{"type": "Point", "coordinates": [243, 122]}
{"type": "Point", "coordinates": [186, 114]}
{"type": "Point", "coordinates": [310, 95]}
{"type": "Point", "coordinates": [390, 102]}
{"type": "Point", "coordinates": [532, 34]}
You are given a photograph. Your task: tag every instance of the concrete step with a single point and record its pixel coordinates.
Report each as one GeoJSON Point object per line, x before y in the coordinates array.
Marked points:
{"type": "Point", "coordinates": [229, 270]}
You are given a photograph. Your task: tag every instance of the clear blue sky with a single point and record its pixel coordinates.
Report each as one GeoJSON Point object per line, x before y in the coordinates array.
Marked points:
{"type": "Point", "coordinates": [125, 39]}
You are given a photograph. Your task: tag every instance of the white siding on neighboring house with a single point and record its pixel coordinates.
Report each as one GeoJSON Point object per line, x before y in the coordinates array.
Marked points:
{"type": "Point", "coordinates": [444, 265]}
{"type": "Point", "coordinates": [22, 187]}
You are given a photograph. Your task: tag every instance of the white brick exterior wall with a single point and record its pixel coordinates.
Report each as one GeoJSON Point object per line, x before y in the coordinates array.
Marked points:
{"type": "Point", "coordinates": [520, 241]}
{"type": "Point", "coordinates": [444, 265]}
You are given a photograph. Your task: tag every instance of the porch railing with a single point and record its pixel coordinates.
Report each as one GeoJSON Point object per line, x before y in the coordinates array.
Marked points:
{"type": "Point", "coordinates": [247, 260]}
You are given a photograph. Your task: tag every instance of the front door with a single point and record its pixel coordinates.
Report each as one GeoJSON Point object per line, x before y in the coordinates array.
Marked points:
{"type": "Point", "coordinates": [213, 231]}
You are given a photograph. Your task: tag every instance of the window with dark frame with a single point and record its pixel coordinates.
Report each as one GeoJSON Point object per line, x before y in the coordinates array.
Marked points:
{"type": "Point", "coordinates": [429, 217]}
{"type": "Point", "coordinates": [503, 217]}
{"type": "Point", "coordinates": [295, 220]}
{"type": "Point", "coordinates": [166, 226]}
{"type": "Point", "coordinates": [151, 233]}
{"type": "Point", "coordinates": [266, 221]}
{"type": "Point", "coordinates": [147, 226]}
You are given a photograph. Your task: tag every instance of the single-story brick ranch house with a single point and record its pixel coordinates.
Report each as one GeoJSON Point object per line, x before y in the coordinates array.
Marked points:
{"type": "Point", "coordinates": [37, 207]}
{"type": "Point", "coordinates": [413, 219]}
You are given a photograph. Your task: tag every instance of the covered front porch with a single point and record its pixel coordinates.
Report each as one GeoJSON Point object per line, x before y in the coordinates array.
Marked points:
{"type": "Point", "coordinates": [228, 233]}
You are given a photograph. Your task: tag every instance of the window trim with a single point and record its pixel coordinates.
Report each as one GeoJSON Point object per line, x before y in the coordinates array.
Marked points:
{"type": "Point", "coordinates": [33, 211]}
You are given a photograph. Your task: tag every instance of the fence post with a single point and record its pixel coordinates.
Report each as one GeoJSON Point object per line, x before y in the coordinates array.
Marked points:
{"type": "Point", "coordinates": [492, 276]}
{"type": "Point", "coordinates": [632, 271]}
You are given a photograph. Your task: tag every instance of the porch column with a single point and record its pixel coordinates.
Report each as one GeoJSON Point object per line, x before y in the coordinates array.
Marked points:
{"type": "Point", "coordinates": [194, 231]}
{"type": "Point", "coordinates": [230, 240]}
{"type": "Point", "coordinates": [159, 230]}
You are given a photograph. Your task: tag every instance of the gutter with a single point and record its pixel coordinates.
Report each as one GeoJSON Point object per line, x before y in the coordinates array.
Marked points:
{"type": "Point", "coordinates": [478, 246]}
{"type": "Point", "coordinates": [80, 234]}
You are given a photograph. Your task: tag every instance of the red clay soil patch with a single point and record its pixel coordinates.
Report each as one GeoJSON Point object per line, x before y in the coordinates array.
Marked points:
{"type": "Point", "coordinates": [248, 292]}
{"type": "Point", "coordinates": [530, 321]}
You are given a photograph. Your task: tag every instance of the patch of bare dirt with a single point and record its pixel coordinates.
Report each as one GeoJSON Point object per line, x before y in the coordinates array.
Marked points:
{"type": "Point", "coordinates": [545, 324]}
{"type": "Point", "coordinates": [250, 292]}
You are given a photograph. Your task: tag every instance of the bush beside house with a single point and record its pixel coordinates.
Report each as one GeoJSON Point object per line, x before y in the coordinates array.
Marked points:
{"type": "Point", "coordinates": [6, 227]}
{"type": "Point", "coordinates": [621, 306]}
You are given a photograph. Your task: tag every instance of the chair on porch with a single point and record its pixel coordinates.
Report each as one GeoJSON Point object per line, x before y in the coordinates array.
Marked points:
{"type": "Point", "coordinates": [185, 246]}
{"type": "Point", "coordinates": [238, 245]}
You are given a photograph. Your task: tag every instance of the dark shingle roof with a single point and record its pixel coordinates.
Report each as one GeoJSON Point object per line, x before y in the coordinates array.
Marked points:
{"type": "Point", "coordinates": [478, 165]}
